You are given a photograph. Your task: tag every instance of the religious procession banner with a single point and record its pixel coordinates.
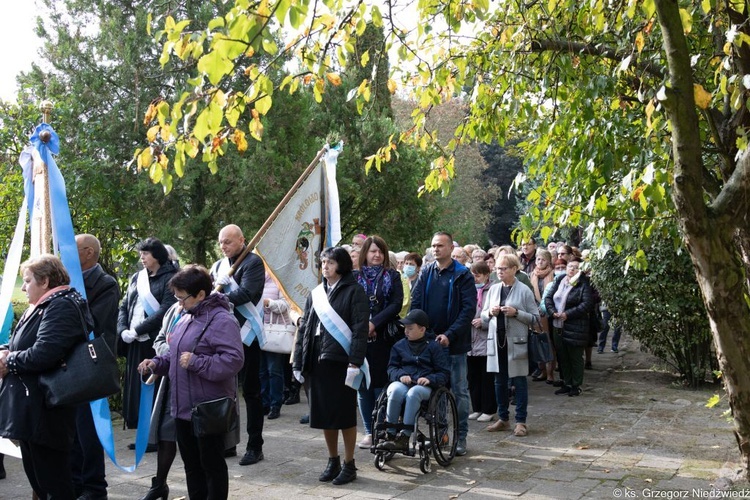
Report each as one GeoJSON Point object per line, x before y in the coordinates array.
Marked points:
{"type": "Point", "coordinates": [307, 224]}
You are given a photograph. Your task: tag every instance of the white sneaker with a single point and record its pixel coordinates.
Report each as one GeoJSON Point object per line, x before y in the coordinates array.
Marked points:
{"type": "Point", "coordinates": [486, 417]}
{"type": "Point", "coordinates": [366, 441]}
{"type": "Point", "coordinates": [475, 415]}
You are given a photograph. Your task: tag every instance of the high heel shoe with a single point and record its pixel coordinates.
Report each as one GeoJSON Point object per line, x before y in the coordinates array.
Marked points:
{"type": "Point", "coordinates": [159, 490]}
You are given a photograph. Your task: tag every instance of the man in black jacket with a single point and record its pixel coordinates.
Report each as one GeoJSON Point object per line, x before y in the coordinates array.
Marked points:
{"type": "Point", "coordinates": [243, 287]}
{"type": "Point", "coordinates": [103, 295]}
{"type": "Point", "coordinates": [445, 291]}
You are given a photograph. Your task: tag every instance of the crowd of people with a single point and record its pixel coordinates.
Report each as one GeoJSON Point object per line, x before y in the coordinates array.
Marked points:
{"type": "Point", "coordinates": [481, 322]}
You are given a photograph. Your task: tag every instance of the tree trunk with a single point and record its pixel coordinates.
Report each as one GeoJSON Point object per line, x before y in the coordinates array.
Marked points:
{"type": "Point", "coordinates": [709, 234]}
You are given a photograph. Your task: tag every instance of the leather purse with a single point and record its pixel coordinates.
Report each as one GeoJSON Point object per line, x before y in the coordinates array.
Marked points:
{"type": "Point", "coordinates": [214, 417]}
{"type": "Point", "coordinates": [279, 337]}
{"type": "Point", "coordinates": [88, 373]}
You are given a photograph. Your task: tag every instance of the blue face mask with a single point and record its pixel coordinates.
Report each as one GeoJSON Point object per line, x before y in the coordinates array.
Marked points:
{"type": "Point", "coordinates": [409, 270]}
{"type": "Point", "coordinates": [479, 285]}
{"type": "Point", "coordinates": [559, 273]}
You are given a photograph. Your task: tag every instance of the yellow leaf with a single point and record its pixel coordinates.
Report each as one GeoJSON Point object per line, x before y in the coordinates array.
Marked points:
{"type": "Point", "coordinates": [163, 160]}
{"type": "Point", "coordinates": [145, 158]}
{"type": "Point", "coordinates": [256, 129]}
{"type": "Point", "coordinates": [639, 41]}
{"type": "Point", "coordinates": [334, 78]}
{"type": "Point", "coordinates": [391, 86]}
{"type": "Point", "coordinates": [191, 147]}
{"type": "Point", "coordinates": [152, 132]}
{"type": "Point", "coordinates": [713, 401]}
{"type": "Point", "coordinates": [239, 140]}
{"type": "Point", "coordinates": [702, 97]}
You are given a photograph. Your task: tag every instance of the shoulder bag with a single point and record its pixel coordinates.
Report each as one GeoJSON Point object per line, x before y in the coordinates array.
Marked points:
{"type": "Point", "coordinates": [215, 417]}
{"type": "Point", "coordinates": [88, 373]}
{"type": "Point", "coordinates": [279, 337]}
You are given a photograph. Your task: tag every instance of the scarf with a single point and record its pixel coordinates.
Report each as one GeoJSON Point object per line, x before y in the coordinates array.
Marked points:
{"type": "Point", "coordinates": [545, 275]}
{"type": "Point", "coordinates": [370, 277]}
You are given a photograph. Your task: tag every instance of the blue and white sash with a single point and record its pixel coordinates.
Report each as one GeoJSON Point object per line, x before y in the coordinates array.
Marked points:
{"type": "Point", "coordinates": [147, 299]}
{"type": "Point", "coordinates": [253, 326]}
{"type": "Point", "coordinates": [336, 326]}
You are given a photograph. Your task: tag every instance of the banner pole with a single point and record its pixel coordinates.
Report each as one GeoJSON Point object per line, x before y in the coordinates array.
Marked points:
{"type": "Point", "coordinates": [258, 235]}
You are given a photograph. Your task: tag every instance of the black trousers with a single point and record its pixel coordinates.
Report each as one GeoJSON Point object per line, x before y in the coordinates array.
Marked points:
{"type": "Point", "coordinates": [205, 466]}
{"type": "Point", "coordinates": [481, 385]}
{"type": "Point", "coordinates": [251, 392]}
{"type": "Point", "coordinates": [87, 456]}
{"type": "Point", "coordinates": [48, 471]}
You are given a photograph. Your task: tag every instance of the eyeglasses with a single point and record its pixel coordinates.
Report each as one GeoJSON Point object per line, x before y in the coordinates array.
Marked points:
{"type": "Point", "coordinates": [182, 299]}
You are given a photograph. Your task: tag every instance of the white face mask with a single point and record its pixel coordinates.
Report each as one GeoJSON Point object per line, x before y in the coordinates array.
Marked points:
{"type": "Point", "coordinates": [559, 273]}
{"type": "Point", "coordinates": [409, 270]}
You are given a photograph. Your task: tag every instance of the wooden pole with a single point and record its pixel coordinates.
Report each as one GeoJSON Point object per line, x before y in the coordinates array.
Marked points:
{"type": "Point", "coordinates": [251, 244]}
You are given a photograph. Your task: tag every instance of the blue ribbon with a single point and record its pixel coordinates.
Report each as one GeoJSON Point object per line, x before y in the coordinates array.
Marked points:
{"type": "Point", "coordinates": [66, 248]}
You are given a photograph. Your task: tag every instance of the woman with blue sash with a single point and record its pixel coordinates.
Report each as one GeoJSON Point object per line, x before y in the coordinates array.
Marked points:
{"type": "Point", "coordinates": [141, 313]}
{"type": "Point", "coordinates": [331, 344]}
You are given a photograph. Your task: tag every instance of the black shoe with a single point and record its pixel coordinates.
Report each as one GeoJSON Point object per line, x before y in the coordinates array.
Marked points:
{"type": "Point", "coordinates": [230, 452]}
{"type": "Point", "coordinates": [251, 457]}
{"type": "Point", "coordinates": [399, 442]}
{"type": "Point", "coordinates": [304, 419]}
{"type": "Point", "coordinates": [90, 495]}
{"type": "Point", "coordinates": [588, 365]}
{"type": "Point", "coordinates": [274, 413]}
{"type": "Point", "coordinates": [159, 490]}
{"type": "Point", "coordinates": [150, 448]}
{"type": "Point", "coordinates": [558, 383]}
{"type": "Point", "coordinates": [3, 475]}
{"type": "Point", "coordinates": [563, 390]}
{"type": "Point", "coordinates": [347, 475]}
{"type": "Point", "coordinates": [574, 391]}
{"type": "Point", "coordinates": [293, 397]}
{"type": "Point", "coordinates": [600, 351]}
{"type": "Point", "coordinates": [333, 469]}
{"type": "Point", "coordinates": [615, 349]}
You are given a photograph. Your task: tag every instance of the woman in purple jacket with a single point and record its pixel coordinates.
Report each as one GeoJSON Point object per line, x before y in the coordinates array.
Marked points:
{"type": "Point", "coordinates": [205, 355]}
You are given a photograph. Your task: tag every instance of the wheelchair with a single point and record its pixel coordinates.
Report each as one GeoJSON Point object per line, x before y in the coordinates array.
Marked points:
{"type": "Point", "coordinates": [440, 417]}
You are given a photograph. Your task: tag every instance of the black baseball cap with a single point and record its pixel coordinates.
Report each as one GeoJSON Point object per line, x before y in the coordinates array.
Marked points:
{"type": "Point", "coordinates": [416, 316]}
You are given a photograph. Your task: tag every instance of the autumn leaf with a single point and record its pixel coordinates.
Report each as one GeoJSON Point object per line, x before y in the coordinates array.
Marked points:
{"type": "Point", "coordinates": [150, 114]}
{"type": "Point", "coordinates": [637, 193]}
{"type": "Point", "coordinates": [391, 86]}
{"type": "Point", "coordinates": [216, 144]}
{"type": "Point", "coordinates": [152, 132]}
{"type": "Point", "coordinates": [239, 140]}
{"type": "Point", "coordinates": [334, 78]}
{"type": "Point", "coordinates": [702, 97]}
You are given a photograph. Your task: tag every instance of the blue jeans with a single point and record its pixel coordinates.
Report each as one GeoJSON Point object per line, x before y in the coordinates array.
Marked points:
{"type": "Point", "coordinates": [502, 391]}
{"type": "Point", "coordinates": [272, 378]}
{"type": "Point", "coordinates": [606, 315]}
{"type": "Point", "coordinates": [460, 388]}
{"type": "Point", "coordinates": [366, 402]}
{"type": "Point", "coordinates": [413, 395]}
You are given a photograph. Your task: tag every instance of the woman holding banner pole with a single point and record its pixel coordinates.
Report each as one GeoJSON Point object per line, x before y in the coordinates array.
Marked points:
{"type": "Point", "coordinates": [330, 349]}
{"type": "Point", "coordinates": [147, 300]}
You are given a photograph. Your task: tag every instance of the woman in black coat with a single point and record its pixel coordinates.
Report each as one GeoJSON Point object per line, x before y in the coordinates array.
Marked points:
{"type": "Point", "coordinates": [136, 327]}
{"type": "Point", "coordinates": [570, 303]}
{"type": "Point", "coordinates": [321, 358]}
{"type": "Point", "coordinates": [57, 319]}
{"type": "Point", "coordinates": [385, 292]}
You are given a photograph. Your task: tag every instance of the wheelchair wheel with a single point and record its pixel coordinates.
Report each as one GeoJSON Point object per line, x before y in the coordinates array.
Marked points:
{"type": "Point", "coordinates": [443, 419]}
{"type": "Point", "coordinates": [424, 460]}
{"type": "Point", "coordinates": [380, 460]}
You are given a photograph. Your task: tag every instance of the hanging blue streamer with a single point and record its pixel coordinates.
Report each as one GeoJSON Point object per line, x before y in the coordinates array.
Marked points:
{"type": "Point", "coordinates": [65, 242]}
{"type": "Point", "coordinates": [7, 324]}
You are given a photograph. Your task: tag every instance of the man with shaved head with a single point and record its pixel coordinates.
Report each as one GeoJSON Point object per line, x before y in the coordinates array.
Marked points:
{"type": "Point", "coordinates": [103, 296]}
{"type": "Point", "coordinates": [244, 289]}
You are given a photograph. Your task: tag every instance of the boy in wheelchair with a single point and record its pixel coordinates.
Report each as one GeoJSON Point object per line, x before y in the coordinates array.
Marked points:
{"type": "Point", "coordinates": [418, 364]}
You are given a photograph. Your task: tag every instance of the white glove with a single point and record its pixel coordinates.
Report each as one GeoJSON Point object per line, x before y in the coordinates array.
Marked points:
{"type": "Point", "coordinates": [143, 338]}
{"type": "Point", "coordinates": [223, 280]}
{"type": "Point", "coordinates": [128, 336]}
{"type": "Point", "coordinates": [298, 375]}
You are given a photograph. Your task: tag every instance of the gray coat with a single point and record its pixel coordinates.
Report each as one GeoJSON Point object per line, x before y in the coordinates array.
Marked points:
{"type": "Point", "coordinates": [516, 328]}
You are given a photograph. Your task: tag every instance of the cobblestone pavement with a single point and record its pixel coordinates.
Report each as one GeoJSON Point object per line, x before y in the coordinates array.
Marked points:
{"type": "Point", "coordinates": [632, 432]}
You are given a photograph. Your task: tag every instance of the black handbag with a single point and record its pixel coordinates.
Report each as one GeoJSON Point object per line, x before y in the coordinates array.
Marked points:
{"type": "Point", "coordinates": [88, 373]}
{"type": "Point", "coordinates": [215, 417]}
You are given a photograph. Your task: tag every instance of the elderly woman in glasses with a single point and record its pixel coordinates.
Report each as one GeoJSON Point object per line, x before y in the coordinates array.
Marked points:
{"type": "Point", "coordinates": [570, 303]}
{"type": "Point", "coordinates": [508, 311]}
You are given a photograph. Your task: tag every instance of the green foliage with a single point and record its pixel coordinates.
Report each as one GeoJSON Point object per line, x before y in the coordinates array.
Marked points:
{"type": "Point", "coordinates": [661, 307]}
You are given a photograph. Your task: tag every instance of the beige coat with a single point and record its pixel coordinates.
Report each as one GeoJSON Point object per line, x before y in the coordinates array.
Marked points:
{"type": "Point", "coordinates": [516, 328]}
